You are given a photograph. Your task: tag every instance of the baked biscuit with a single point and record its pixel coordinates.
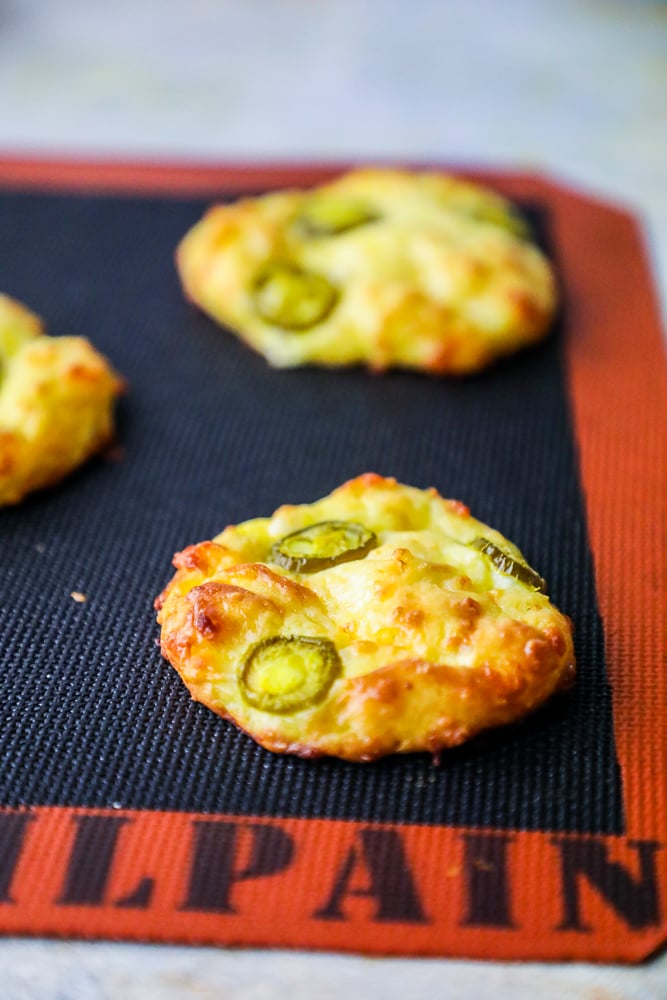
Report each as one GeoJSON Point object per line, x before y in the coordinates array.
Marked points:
{"type": "Point", "coordinates": [381, 619]}
{"type": "Point", "coordinates": [382, 267]}
{"type": "Point", "coordinates": [56, 401]}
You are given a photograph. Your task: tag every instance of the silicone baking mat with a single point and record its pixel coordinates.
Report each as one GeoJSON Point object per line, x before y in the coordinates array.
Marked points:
{"type": "Point", "coordinates": [128, 810]}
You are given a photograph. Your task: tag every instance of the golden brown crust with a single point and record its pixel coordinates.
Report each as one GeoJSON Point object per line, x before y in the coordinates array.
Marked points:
{"type": "Point", "coordinates": [435, 643]}
{"type": "Point", "coordinates": [56, 403]}
{"type": "Point", "coordinates": [444, 278]}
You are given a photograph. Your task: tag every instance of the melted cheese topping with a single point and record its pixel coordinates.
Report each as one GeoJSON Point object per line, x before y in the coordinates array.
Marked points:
{"type": "Point", "coordinates": [56, 402]}
{"type": "Point", "coordinates": [442, 278]}
{"type": "Point", "coordinates": [421, 602]}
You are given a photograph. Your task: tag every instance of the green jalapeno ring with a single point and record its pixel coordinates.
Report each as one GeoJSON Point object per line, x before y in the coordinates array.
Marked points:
{"type": "Point", "coordinates": [507, 564]}
{"type": "Point", "coordinates": [509, 219]}
{"type": "Point", "coordinates": [288, 296]}
{"type": "Point", "coordinates": [286, 674]}
{"type": "Point", "coordinates": [322, 545]}
{"type": "Point", "coordinates": [332, 216]}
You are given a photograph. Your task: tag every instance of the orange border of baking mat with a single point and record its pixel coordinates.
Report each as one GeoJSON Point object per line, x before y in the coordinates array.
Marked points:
{"type": "Point", "coordinates": [419, 890]}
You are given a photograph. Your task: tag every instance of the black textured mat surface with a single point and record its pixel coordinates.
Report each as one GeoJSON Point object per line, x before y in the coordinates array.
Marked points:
{"type": "Point", "coordinates": [91, 714]}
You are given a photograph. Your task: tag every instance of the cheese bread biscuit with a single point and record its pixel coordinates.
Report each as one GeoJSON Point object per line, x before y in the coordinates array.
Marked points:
{"type": "Point", "coordinates": [56, 402]}
{"type": "Point", "coordinates": [381, 619]}
{"type": "Point", "coordinates": [382, 267]}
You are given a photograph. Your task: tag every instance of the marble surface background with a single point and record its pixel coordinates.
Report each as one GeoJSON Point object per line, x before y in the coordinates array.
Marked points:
{"type": "Point", "coordinates": [576, 89]}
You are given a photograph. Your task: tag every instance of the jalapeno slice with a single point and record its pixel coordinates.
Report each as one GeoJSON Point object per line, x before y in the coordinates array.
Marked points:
{"type": "Point", "coordinates": [332, 216]}
{"type": "Point", "coordinates": [288, 673]}
{"type": "Point", "coordinates": [506, 564]}
{"type": "Point", "coordinates": [504, 218]}
{"type": "Point", "coordinates": [321, 545]}
{"type": "Point", "coordinates": [292, 298]}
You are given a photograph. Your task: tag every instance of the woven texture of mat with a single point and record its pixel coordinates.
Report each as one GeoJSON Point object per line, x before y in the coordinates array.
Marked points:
{"type": "Point", "coordinates": [97, 729]}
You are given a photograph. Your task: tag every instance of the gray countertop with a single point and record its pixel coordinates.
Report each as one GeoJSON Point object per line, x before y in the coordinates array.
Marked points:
{"type": "Point", "coordinates": [578, 90]}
